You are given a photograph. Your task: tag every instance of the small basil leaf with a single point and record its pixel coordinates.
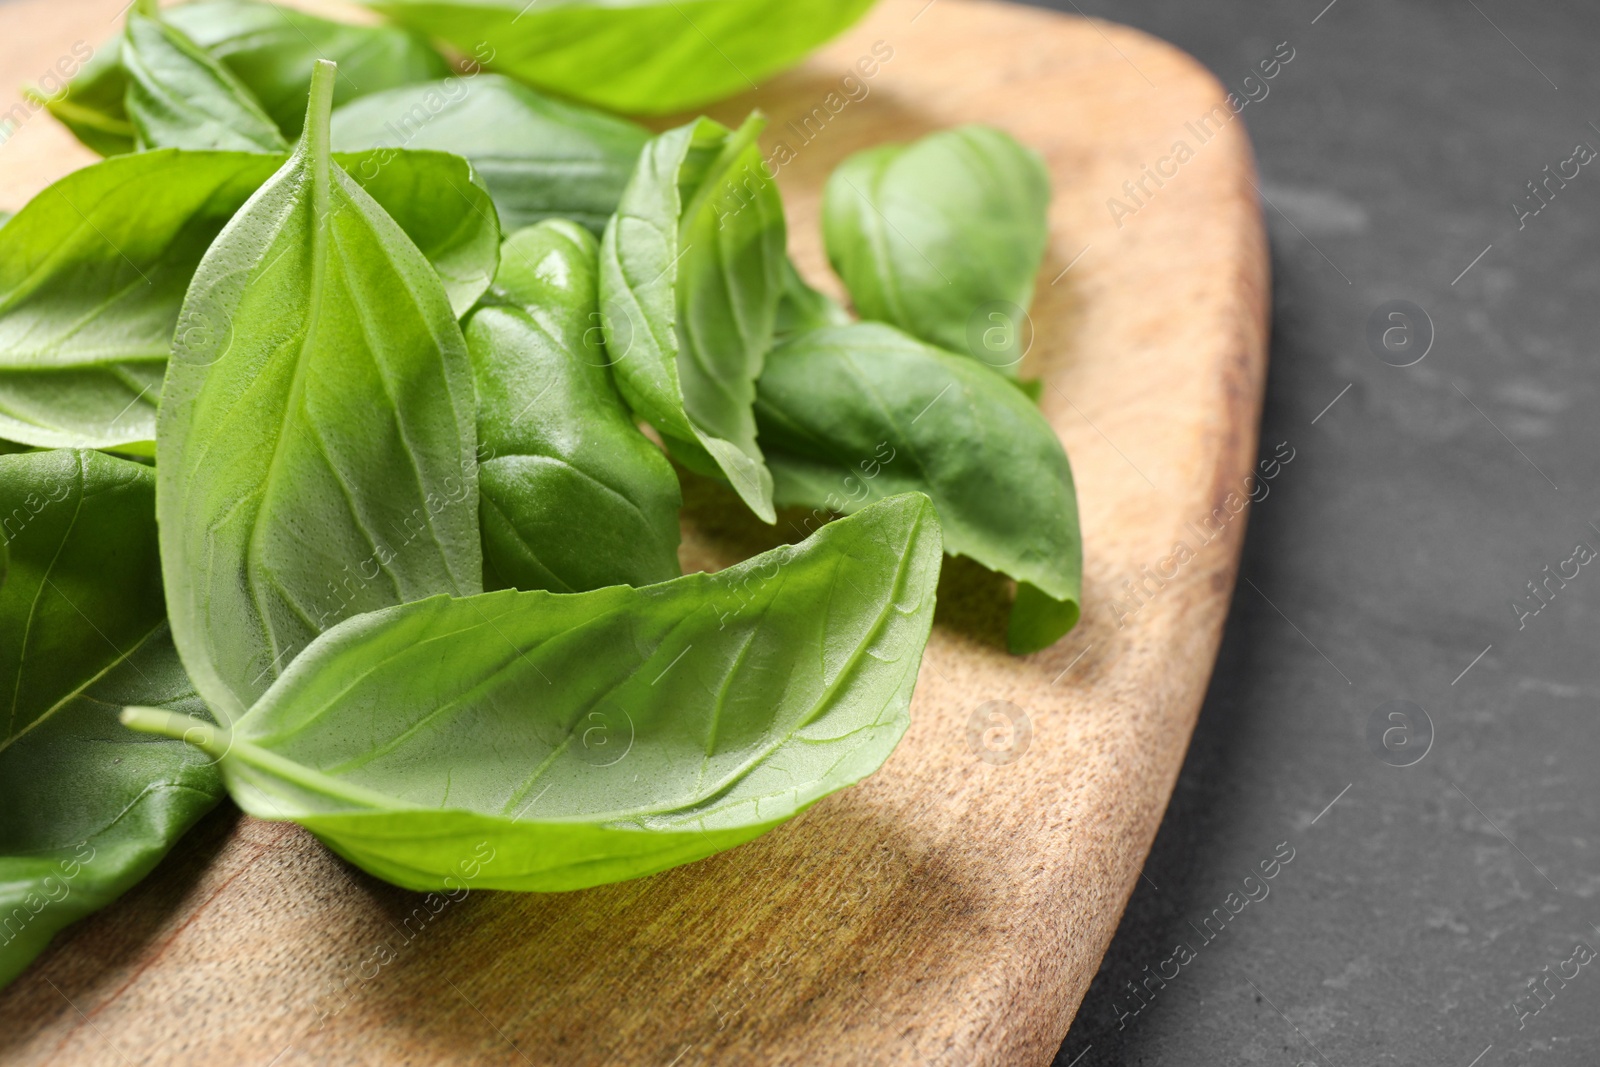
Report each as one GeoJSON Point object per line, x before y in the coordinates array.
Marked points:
{"type": "Point", "coordinates": [271, 50]}
{"type": "Point", "coordinates": [91, 104]}
{"type": "Point", "coordinates": [943, 238]}
{"type": "Point", "coordinates": [592, 737]}
{"type": "Point", "coordinates": [643, 56]}
{"type": "Point", "coordinates": [851, 414]}
{"type": "Point", "coordinates": [539, 157]}
{"type": "Point", "coordinates": [691, 270]}
{"type": "Point", "coordinates": [572, 496]}
{"type": "Point", "coordinates": [315, 441]}
{"type": "Point", "coordinates": [803, 308]}
{"type": "Point", "coordinates": [179, 97]}
{"type": "Point", "coordinates": [89, 806]}
{"type": "Point", "coordinates": [93, 272]}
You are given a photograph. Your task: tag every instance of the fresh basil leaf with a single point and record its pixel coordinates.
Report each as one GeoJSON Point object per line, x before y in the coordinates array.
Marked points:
{"type": "Point", "coordinates": [855, 413]}
{"type": "Point", "coordinates": [93, 272]}
{"type": "Point", "coordinates": [539, 157]}
{"type": "Point", "coordinates": [271, 50]}
{"type": "Point", "coordinates": [592, 737]}
{"type": "Point", "coordinates": [943, 238]}
{"type": "Point", "coordinates": [572, 496]}
{"type": "Point", "coordinates": [92, 103]}
{"type": "Point", "coordinates": [315, 441]}
{"type": "Point", "coordinates": [691, 270]}
{"type": "Point", "coordinates": [87, 806]}
{"type": "Point", "coordinates": [268, 48]}
{"type": "Point", "coordinates": [803, 308]}
{"type": "Point", "coordinates": [643, 57]}
{"type": "Point", "coordinates": [179, 97]}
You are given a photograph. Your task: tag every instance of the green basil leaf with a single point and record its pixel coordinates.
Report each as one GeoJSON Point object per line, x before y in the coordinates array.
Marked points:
{"type": "Point", "coordinates": [855, 413]}
{"type": "Point", "coordinates": [93, 272]}
{"type": "Point", "coordinates": [87, 806]}
{"type": "Point", "coordinates": [943, 238]}
{"type": "Point", "coordinates": [572, 496]}
{"type": "Point", "coordinates": [268, 48]}
{"type": "Point", "coordinates": [179, 97]}
{"type": "Point", "coordinates": [591, 737]}
{"type": "Point", "coordinates": [315, 441]}
{"type": "Point", "coordinates": [271, 50]}
{"type": "Point", "coordinates": [644, 57]}
{"type": "Point", "coordinates": [539, 157]}
{"type": "Point", "coordinates": [91, 104]}
{"type": "Point", "coordinates": [691, 271]}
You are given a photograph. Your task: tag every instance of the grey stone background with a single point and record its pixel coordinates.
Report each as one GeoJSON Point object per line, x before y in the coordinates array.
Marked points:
{"type": "Point", "coordinates": [1385, 563]}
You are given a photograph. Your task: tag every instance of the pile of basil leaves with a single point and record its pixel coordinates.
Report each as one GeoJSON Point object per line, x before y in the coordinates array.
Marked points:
{"type": "Point", "coordinates": [326, 487]}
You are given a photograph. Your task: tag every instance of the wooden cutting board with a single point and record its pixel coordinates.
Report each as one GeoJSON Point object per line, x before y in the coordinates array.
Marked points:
{"type": "Point", "coordinates": [953, 908]}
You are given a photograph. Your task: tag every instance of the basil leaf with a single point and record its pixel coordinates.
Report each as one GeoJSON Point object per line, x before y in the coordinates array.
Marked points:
{"type": "Point", "coordinates": [599, 736]}
{"type": "Point", "coordinates": [315, 441]}
{"type": "Point", "coordinates": [539, 157]}
{"type": "Point", "coordinates": [271, 50]}
{"type": "Point", "coordinates": [640, 56]}
{"type": "Point", "coordinates": [92, 105]}
{"type": "Point", "coordinates": [88, 806]}
{"type": "Point", "coordinates": [179, 97]}
{"type": "Point", "coordinates": [691, 270]}
{"type": "Point", "coordinates": [93, 272]}
{"type": "Point", "coordinates": [943, 238]}
{"type": "Point", "coordinates": [572, 496]}
{"type": "Point", "coordinates": [851, 414]}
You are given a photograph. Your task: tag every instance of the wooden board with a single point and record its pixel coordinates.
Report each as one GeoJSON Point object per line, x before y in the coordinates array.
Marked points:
{"type": "Point", "coordinates": [953, 908]}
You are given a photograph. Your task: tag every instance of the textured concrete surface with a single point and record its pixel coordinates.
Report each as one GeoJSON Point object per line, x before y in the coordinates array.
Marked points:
{"type": "Point", "coordinates": [1422, 901]}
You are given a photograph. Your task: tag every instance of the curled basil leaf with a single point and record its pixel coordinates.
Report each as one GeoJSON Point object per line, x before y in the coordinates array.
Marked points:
{"type": "Point", "coordinates": [643, 57]}
{"type": "Point", "coordinates": [89, 806]}
{"type": "Point", "coordinates": [573, 496]}
{"type": "Point", "coordinates": [691, 271]}
{"type": "Point", "coordinates": [271, 49]}
{"type": "Point", "coordinates": [943, 238]}
{"type": "Point", "coordinates": [852, 414]}
{"type": "Point", "coordinates": [539, 157]}
{"type": "Point", "coordinates": [268, 48]}
{"type": "Point", "coordinates": [179, 97]}
{"type": "Point", "coordinates": [93, 272]}
{"type": "Point", "coordinates": [316, 435]}
{"type": "Point", "coordinates": [587, 738]}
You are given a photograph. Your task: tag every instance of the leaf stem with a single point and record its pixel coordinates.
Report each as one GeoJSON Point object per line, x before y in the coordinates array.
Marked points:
{"type": "Point", "coordinates": [213, 739]}
{"type": "Point", "coordinates": [148, 8]}
{"type": "Point", "coordinates": [319, 108]}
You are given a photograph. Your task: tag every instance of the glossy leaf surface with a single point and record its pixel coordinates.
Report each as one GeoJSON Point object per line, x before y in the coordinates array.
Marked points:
{"type": "Point", "coordinates": [573, 496]}
{"type": "Point", "coordinates": [87, 807]}
{"type": "Point", "coordinates": [315, 440]}
{"type": "Point", "coordinates": [635, 56]}
{"type": "Point", "coordinates": [691, 272]}
{"type": "Point", "coordinates": [855, 413]}
{"type": "Point", "coordinates": [539, 157]}
{"type": "Point", "coordinates": [943, 238]}
{"type": "Point", "coordinates": [599, 736]}
{"type": "Point", "coordinates": [93, 272]}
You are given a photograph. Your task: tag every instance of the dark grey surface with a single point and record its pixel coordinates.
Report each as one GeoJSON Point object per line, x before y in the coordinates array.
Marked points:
{"type": "Point", "coordinates": [1418, 907]}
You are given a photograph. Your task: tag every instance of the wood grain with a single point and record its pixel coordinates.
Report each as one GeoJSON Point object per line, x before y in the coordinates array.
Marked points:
{"type": "Point", "coordinates": [950, 910]}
